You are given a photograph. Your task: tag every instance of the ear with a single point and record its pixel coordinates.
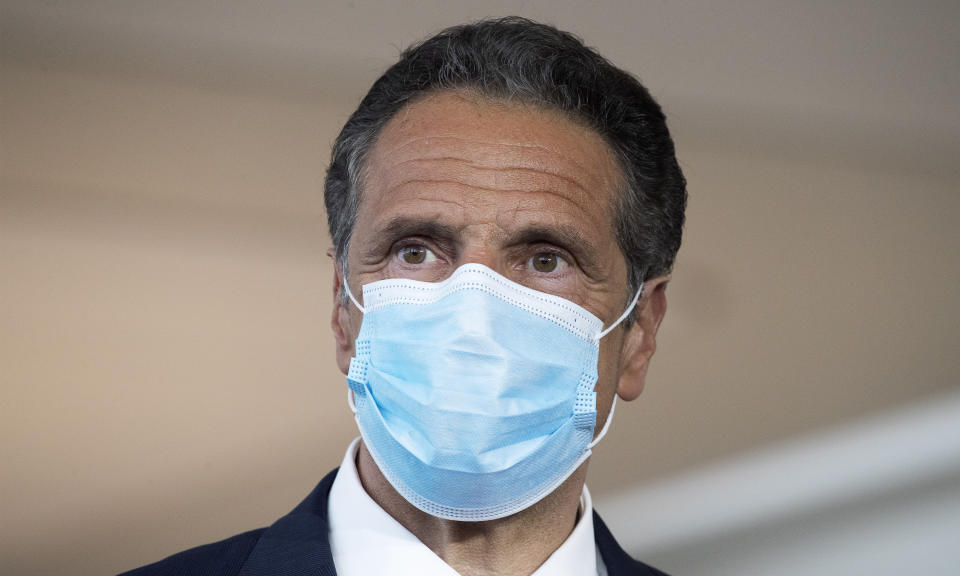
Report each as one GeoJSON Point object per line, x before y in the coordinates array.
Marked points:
{"type": "Point", "coordinates": [340, 321]}
{"type": "Point", "coordinates": [641, 339]}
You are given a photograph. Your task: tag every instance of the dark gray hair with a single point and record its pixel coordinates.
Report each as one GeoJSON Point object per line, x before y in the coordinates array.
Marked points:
{"type": "Point", "coordinates": [516, 59]}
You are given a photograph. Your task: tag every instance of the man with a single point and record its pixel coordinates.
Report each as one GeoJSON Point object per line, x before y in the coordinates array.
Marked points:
{"type": "Point", "coordinates": [505, 207]}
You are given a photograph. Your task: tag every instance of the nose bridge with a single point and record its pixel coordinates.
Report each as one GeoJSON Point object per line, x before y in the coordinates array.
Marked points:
{"type": "Point", "coordinates": [481, 245]}
{"type": "Point", "coordinates": [488, 258]}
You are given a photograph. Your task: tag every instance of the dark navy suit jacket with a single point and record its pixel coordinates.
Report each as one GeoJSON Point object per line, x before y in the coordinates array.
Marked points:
{"type": "Point", "coordinates": [299, 545]}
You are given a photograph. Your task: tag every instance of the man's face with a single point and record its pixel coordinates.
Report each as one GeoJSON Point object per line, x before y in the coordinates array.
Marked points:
{"type": "Point", "coordinates": [456, 179]}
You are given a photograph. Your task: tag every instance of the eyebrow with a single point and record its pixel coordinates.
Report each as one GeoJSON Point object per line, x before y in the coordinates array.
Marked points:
{"type": "Point", "coordinates": [406, 226]}
{"type": "Point", "coordinates": [403, 226]}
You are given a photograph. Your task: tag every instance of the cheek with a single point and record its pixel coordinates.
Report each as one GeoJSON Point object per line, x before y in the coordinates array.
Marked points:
{"type": "Point", "coordinates": [356, 319]}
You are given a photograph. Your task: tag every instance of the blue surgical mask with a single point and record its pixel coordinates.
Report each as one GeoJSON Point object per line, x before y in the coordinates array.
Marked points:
{"type": "Point", "coordinates": [475, 395]}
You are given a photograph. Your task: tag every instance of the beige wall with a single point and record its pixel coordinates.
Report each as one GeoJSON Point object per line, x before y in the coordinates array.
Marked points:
{"type": "Point", "coordinates": [166, 372]}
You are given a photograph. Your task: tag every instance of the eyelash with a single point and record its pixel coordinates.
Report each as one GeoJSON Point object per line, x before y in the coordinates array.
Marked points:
{"type": "Point", "coordinates": [564, 260]}
{"type": "Point", "coordinates": [399, 248]}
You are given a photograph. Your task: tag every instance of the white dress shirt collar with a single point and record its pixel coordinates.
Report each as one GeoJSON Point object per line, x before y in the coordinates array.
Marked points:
{"type": "Point", "coordinates": [366, 540]}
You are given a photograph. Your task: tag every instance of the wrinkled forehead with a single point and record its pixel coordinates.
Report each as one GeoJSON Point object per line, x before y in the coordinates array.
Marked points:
{"type": "Point", "coordinates": [496, 134]}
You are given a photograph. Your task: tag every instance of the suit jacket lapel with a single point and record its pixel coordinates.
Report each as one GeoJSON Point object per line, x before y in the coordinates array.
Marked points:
{"type": "Point", "coordinates": [299, 543]}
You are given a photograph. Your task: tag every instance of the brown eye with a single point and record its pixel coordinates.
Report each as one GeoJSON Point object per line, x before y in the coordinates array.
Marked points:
{"type": "Point", "coordinates": [416, 255]}
{"type": "Point", "coordinates": [545, 262]}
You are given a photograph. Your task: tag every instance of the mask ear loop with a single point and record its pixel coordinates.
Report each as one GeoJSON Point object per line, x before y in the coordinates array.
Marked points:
{"type": "Point", "coordinates": [352, 299]}
{"type": "Point", "coordinates": [351, 402]}
{"type": "Point", "coordinates": [622, 317]}
{"type": "Point", "coordinates": [613, 406]}
{"type": "Point", "coordinates": [606, 425]}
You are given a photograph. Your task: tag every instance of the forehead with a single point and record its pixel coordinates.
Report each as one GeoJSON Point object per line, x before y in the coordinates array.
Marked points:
{"type": "Point", "coordinates": [525, 146]}
{"type": "Point", "coordinates": [487, 180]}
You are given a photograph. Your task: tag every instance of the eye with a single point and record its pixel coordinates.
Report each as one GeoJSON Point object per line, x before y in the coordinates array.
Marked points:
{"type": "Point", "coordinates": [546, 262]}
{"type": "Point", "coordinates": [416, 255]}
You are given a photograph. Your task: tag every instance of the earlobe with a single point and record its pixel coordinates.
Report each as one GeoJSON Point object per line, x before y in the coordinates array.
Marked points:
{"type": "Point", "coordinates": [641, 339]}
{"type": "Point", "coordinates": [340, 322]}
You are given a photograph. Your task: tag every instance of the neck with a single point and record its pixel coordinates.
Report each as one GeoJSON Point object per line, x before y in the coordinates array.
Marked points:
{"type": "Point", "coordinates": [517, 544]}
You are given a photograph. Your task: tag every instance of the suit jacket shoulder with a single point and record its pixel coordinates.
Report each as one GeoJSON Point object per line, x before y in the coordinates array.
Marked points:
{"type": "Point", "coordinates": [298, 544]}
{"type": "Point", "coordinates": [223, 558]}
